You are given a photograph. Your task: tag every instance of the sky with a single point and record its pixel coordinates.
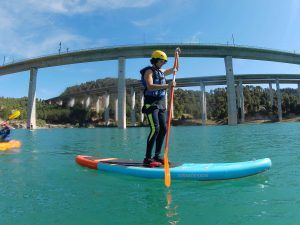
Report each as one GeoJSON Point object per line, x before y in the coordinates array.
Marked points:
{"type": "Point", "coordinates": [33, 28]}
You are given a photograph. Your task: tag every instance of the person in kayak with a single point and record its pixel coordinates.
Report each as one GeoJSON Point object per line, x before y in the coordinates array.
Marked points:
{"type": "Point", "coordinates": [5, 132]}
{"type": "Point", "coordinates": [154, 82]}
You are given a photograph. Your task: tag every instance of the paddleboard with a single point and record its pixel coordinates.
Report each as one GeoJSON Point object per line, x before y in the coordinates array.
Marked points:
{"type": "Point", "coordinates": [185, 171]}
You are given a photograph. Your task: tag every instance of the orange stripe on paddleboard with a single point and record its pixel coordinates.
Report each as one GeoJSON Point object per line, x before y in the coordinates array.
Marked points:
{"type": "Point", "coordinates": [89, 161]}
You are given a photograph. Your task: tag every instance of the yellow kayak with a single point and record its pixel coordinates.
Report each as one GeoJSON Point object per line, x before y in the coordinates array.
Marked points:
{"type": "Point", "coordinates": [10, 145]}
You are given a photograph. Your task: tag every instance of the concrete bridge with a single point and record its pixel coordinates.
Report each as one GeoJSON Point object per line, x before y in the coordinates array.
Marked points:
{"type": "Point", "coordinates": [143, 51]}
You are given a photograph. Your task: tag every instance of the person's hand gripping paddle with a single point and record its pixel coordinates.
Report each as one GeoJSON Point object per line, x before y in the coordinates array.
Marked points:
{"type": "Point", "coordinates": [166, 159]}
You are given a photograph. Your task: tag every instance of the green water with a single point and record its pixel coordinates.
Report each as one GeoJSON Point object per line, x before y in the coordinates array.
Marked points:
{"type": "Point", "coordinates": [41, 184]}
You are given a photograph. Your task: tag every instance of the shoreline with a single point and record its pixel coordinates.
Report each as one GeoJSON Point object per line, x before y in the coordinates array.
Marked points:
{"type": "Point", "coordinates": [176, 122]}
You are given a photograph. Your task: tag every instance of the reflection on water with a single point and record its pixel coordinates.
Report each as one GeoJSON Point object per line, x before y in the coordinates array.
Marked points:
{"type": "Point", "coordinates": [171, 209]}
{"type": "Point", "coordinates": [10, 151]}
{"type": "Point", "coordinates": [31, 140]}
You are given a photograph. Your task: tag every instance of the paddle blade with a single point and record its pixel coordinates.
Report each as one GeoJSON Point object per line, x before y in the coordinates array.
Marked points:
{"type": "Point", "coordinates": [167, 172]}
{"type": "Point", "coordinates": [14, 115]}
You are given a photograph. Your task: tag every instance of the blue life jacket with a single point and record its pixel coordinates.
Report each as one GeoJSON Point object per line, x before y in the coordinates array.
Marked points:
{"type": "Point", "coordinates": [158, 78]}
{"type": "Point", "coordinates": [5, 134]}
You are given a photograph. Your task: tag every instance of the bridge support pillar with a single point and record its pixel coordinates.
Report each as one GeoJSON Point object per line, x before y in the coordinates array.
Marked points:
{"type": "Point", "coordinates": [121, 94]}
{"type": "Point", "coordinates": [106, 109]}
{"type": "Point", "coordinates": [71, 102]}
{"type": "Point", "coordinates": [203, 104]}
{"type": "Point", "coordinates": [142, 104]}
{"type": "Point", "coordinates": [98, 102]}
{"type": "Point", "coordinates": [132, 95]}
{"type": "Point", "coordinates": [87, 102]}
{"type": "Point", "coordinates": [167, 105]}
{"type": "Point", "coordinates": [31, 110]}
{"type": "Point", "coordinates": [116, 109]}
{"type": "Point", "coordinates": [241, 101]}
{"type": "Point", "coordinates": [279, 100]}
{"type": "Point", "coordinates": [231, 96]}
{"type": "Point", "coordinates": [271, 95]}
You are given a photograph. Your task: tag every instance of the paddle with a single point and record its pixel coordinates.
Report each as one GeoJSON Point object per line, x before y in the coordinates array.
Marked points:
{"type": "Point", "coordinates": [166, 159]}
{"type": "Point", "coordinates": [12, 116]}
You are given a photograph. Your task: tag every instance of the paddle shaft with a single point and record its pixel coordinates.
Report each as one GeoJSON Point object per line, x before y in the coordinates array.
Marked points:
{"type": "Point", "coordinates": [170, 105]}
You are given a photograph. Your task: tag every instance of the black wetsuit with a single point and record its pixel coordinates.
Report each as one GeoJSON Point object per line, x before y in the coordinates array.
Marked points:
{"type": "Point", "coordinates": [157, 121]}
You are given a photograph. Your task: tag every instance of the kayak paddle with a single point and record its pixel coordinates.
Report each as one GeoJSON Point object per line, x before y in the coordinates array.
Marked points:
{"type": "Point", "coordinates": [12, 116]}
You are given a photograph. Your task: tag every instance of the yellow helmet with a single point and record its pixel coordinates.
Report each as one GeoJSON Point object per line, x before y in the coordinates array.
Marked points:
{"type": "Point", "coordinates": [158, 54]}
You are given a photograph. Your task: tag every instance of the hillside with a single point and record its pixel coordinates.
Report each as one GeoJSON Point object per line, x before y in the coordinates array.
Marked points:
{"type": "Point", "coordinates": [186, 106]}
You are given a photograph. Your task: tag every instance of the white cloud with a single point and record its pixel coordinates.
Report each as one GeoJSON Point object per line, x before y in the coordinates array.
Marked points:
{"type": "Point", "coordinates": [69, 42]}
{"type": "Point", "coordinates": [50, 44]}
{"type": "Point", "coordinates": [143, 23]}
{"type": "Point", "coordinates": [195, 38]}
{"type": "Point", "coordinates": [15, 47]}
{"type": "Point", "coordinates": [84, 6]}
{"type": "Point", "coordinates": [30, 28]}
{"type": "Point", "coordinates": [6, 20]}
{"type": "Point", "coordinates": [26, 32]}
{"type": "Point", "coordinates": [160, 24]}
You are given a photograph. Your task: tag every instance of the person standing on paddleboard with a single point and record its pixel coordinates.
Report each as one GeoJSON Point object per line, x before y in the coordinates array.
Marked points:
{"type": "Point", "coordinates": [154, 82]}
